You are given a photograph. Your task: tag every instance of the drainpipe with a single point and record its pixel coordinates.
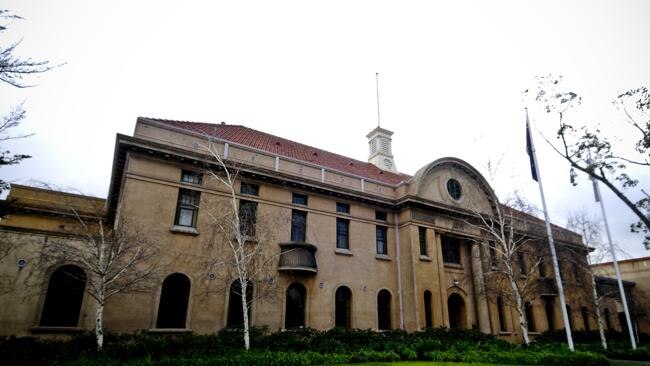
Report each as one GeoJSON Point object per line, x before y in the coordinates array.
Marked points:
{"type": "Point", "coordinates": [399, 273]}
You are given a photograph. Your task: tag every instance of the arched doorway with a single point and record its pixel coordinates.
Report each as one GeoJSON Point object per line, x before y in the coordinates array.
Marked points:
{"type": "Point", "coordinates": [174, 299]}
{"type": "Point", "coordinates": [457, 312]}
{"type": "Point", "coordinates": [428, 322]}
{"type": "Point", "coordinates": [383, 310]}
{"type": "Point", "coordinates": [294, 315]}
{"type": "Point", "coordinates": [65, 292]}
{"type": "Point", "coordinates": [235, 312]}
{"type": "Point", "coordinates": [343, 307]}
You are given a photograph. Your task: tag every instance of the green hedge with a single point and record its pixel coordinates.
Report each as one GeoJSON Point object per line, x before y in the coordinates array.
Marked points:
{"type": "Point", "coordinates": [295, 347]}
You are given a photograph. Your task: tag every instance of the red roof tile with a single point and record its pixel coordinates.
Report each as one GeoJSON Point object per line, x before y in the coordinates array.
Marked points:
{"type": "Point", "coordinates": [283, 147]}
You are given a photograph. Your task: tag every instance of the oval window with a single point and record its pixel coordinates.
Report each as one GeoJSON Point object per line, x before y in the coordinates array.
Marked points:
{"type": "Point", "coordinates": [453, 187]}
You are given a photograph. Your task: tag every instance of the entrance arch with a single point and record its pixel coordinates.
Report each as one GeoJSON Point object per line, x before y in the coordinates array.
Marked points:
{"type": "Point", "coordinates": [294, 315]}
{"type": "Point", "coordinates": [457, 312]}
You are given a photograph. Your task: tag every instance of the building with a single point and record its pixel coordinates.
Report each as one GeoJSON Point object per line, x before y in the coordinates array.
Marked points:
{"type": "Point", "coordinates": [362, 245]}
{"type": "Point", "coordinates": [636, 281]}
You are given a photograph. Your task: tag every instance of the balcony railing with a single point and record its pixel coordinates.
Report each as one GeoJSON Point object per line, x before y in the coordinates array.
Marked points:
{"type": "Point", "coordinates": [547, 286]}
{"type": "Point", "coordinates": [298, 258]}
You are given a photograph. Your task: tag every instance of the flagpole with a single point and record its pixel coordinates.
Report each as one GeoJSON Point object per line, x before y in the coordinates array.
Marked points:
{"type": "Point", "coordinates": [599, 198]}
{"type": "Point", "coordinates": [549, 232]}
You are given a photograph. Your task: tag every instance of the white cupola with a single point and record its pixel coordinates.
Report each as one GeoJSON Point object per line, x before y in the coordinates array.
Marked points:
{"type": "Point", "coordinates": [381, 152]}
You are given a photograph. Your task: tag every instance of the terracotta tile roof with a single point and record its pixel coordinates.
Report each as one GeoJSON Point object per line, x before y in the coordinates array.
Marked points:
{"type": "Point", "coordinates": [283, 147]}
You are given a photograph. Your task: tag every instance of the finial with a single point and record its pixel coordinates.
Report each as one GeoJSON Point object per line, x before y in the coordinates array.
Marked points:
{"type": "Point", "coordinates": [378, 119]}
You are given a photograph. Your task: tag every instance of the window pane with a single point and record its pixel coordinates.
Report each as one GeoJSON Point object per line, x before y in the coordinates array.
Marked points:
{"type": "Point", "coordinates": [342, 237]}
{"type": "Point", "coordinates": [299, 199]}
{"type": "Point", "coordinates": [247, 217]}
{"type": "Point", "coordinates": [342, 208]}
{"type": "Point", "coordinates": [381, 240]}
{"type": "Point", "coordinates": [252, 189]}
{"type": "Point", "coordinates": [188, 176]}
{"type": "Point", "coordinates": [380, 215]}
{"type": "Point", "coordinates": [185, 217]}
{"type": "Point", "coordinates": [423, 240]}
{"type": "Point", "coordinates": [450, 249]}
{"type": "Point", "coordinates": [298, 225]}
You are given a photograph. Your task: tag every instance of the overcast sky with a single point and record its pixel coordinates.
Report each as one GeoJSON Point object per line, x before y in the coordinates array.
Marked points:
{"type": "Point", "coordinates": [451, 77]}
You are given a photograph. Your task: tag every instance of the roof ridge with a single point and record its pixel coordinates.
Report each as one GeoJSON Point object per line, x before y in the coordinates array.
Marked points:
{"type": "Point", "coordinates": [311, 149]}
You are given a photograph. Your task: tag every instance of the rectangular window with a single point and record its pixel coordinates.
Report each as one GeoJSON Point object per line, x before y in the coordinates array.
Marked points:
{"type": "Point", "coordinates": [382, 245]}
{"type": "Point", "coordinates": [542, 267]}
{"type": "Point", "coordinates": [422, 231]}
{"type": "Point", "coordinates": [342, 233]}
{"type": "Point", "coordinates": [252, 189]}
{"type": "Point", "coordinates": [342, 208]}
{"type": "Point", "coordinates": [521, 259]}
{"type": "Point", "coordinates": [450, 249]}
{"type": "Point", "coordinates": [247, 217]}
{"type": "Point", "coordinates": [298, 226]}
{"type": "Point", "coordinates": [188, 176]}
{"type": "Point", "coordinates": [493, 254]}
{"type": "Point", "coordinates": [187, 208]}
{"type": "Point", "coordinates": [380, 215]}
{"type": "Point", "coordinates": [299, 199]}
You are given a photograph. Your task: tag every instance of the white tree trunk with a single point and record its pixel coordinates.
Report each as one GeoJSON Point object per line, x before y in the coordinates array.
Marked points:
{"type": "Point", "coordinates": [99, 326]}
{"type": "Point", "coordinates": [599, 318]}
{"type": "Point", "coordinates": [244, 305]}
{"type": "Point", "coordinates": [521, 311]}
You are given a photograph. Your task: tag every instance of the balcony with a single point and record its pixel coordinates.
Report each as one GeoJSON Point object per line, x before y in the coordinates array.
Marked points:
{"type": "Point", "coordinates": [298, 258]}
{"type": "Point", "coordinates": [547, 286]}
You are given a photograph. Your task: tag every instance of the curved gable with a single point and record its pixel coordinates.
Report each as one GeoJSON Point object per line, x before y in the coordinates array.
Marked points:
{"type": "Point", "coordinates": [430, 183]}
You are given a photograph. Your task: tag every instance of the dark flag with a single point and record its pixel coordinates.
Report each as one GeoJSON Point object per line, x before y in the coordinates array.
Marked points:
{"type": "Point", "coordinates": [529, 149]}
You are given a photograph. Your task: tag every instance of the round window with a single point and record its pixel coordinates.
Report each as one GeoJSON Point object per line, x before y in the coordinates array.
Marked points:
{"type": "Point", "coordinates": [387, 163]}
{"type": "Point", "coordinates": [453, 187]}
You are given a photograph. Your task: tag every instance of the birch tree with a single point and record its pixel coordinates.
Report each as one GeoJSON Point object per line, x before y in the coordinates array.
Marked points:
{"type": "Point", "coordinates": [514, 259]}
{"type": "Point", "coordinates": [241, 246]}
{"type": "Point", "coordinates": [119, 256]}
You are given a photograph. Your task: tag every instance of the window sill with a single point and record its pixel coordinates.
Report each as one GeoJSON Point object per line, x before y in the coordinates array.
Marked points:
{"type": "Point", "coordinates": [453, 265]}
{"type": "Point", "coordinates": [184, 230]}
{"type": "Point", "coordinates": [170, 330]}
{"type": "Point", "coordinates": [342, 251]}
{"type": "Point", "coordinates": [39, 329]}
{"type": "Point", "coordinates": [383, 257]}
{"type": "Point", "coordinates": [506, 333]}
{"type": "Point", "coordinates": [425, 258]}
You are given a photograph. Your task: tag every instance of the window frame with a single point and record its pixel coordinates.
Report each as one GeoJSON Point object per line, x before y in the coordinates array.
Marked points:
{"type": "Point", "coordinates": [191, 173]}
{"type": "Point", "coordinates": [384, 231]}
{"type": "Point", "coordinates": [342, 208]}
{"type": "Point", "coordinates": [251, 224]}
{"type": "Point", "coordinates": [422, 237]}
{"type": "Point", "coordinates": [298, 229]}
{"type": "Point", "coordinates": [244, 187]}
{"type": "Point", "coordinates": [342, 236]}
{"type": "Point", "coordinates": [193, 207]}
{"type": "Point", "coordinates": [446, 250]}
{"type": "Point", "coordinates": [298, 197]}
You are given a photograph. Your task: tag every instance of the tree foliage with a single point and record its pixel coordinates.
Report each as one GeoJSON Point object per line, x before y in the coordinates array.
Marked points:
{"type": "Point", "coordinates": [591, 151]}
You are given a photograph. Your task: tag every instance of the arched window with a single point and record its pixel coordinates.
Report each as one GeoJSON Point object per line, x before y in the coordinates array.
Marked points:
{"type": "Point", "coordinates": [294, 315]}
{"type": "Point", "coordinates": [530, 318]}
{"type": "Point", "coordinates": [457, 312]}
{"type": "Point", "coordinates": [383, 310]}
{"type": "Point", "coordinates": [502, 315]}
{"type": "Point", "coordinates": [343, 307]}
{"type": "Point", "coordinates": [550, 314]}
{"type": "Point", "coordinates": [65, 292]}
{"type": "Point", "coordinates": [427, 309]}
{"type": "Point", "coordinates": [174, 298]}
{"type": "Point", "coordinates": [235, 312]}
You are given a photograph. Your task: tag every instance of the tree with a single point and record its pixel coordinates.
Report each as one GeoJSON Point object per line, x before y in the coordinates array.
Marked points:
{"type": "Point", "coordinates": [119, 257]}
{"type": "Point", "coordinates": [241, 245]}
{"type": "Point", "coordinates": [514, 258]}
{"type": "Point", "coordinates": [593, 153]}
{"type": "Point", "coordinates": [589, 228]}
{"type": "Point", "coordinates": [12, 71]}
